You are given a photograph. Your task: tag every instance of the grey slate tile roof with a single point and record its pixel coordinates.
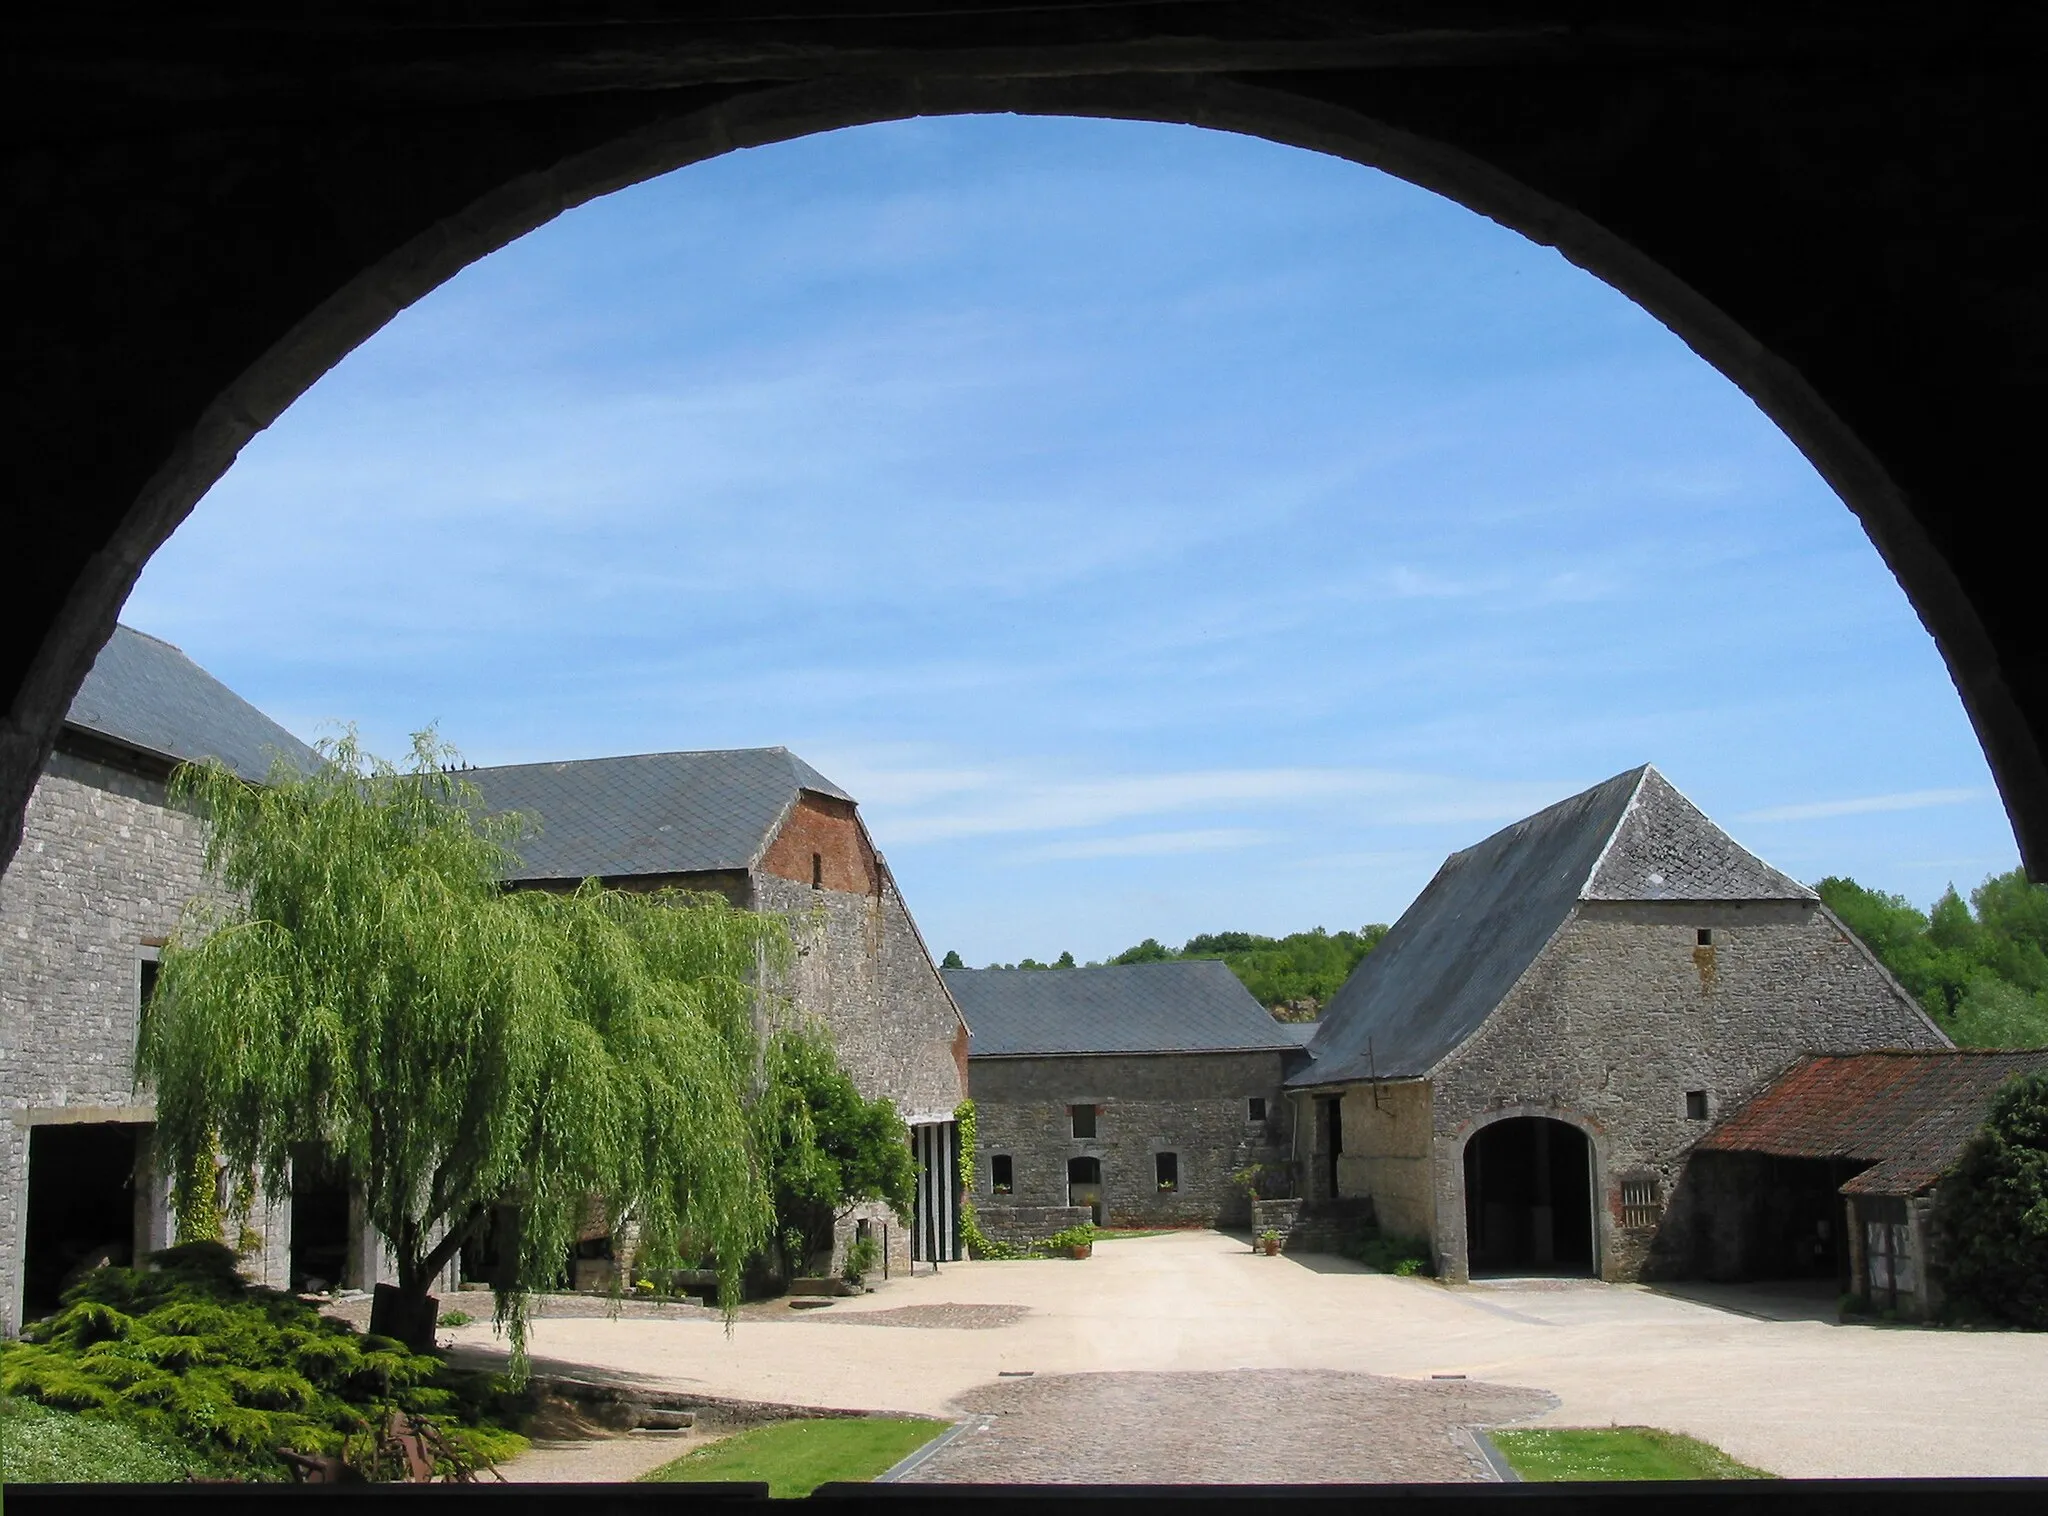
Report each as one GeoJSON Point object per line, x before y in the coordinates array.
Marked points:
{"type": "Point", "coordinates": [1458, 950]}
{"type": "Point", "coordinates": [650, 813]}
{"type": "Point", "coordinates": [147, 695]}
{"type": "Point", "coordinates": [1189, 1006]}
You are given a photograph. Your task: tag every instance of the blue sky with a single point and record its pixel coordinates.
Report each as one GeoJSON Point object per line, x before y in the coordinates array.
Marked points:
{"type": "Point", "coordinates": [1159, 531]}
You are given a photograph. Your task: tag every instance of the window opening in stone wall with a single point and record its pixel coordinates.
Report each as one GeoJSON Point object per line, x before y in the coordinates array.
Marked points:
{"type": "Point", "coordinates": [1001, 1176]}
{"type": "Point", "coordinates": [1083, 1117]}
{"type": "Point", "coordinates": [1706, 936]}
{"type": "Point", "coordinates": [147, 989]}
{"type": "Point", "coordinates": [1696, 1105]}
{"type": "Point", "coordinates": [1166, 1171]}
{"type": "Point", "coordinates": [1642, 1202]}
{"type": "Point", "coordinates": [817, 871]}
{"type": "Point", "coordinates": [1255, 1108]}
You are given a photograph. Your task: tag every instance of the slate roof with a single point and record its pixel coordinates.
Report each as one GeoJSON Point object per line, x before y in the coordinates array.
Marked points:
{"type": "Point", "coordinates": [1188, 1006]}
{"type": "Point", "coordinates": [650, 813]}
{"type": "Point", "coordinates": [1457, 951]}
{"type": "Point", "coordinates": [1908, 1114]}
{"type": "Point", "coordinates": [149, 697]}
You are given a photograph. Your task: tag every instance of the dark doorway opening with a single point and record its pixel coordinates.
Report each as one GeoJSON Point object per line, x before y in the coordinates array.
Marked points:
{"type": "Point", "coordinates": [1529, 1198]}
{"type": "Point", "coordinates": [1084, 1185]}
{"type": "Point", "coordinates": [1329, 1141]}
{"type": "Point", "coordinates": [1757, 1216]}
{"type": "Point", "coordinates": [81, 1206]}
{"type": "Point", "coordinates": [319, 1220]}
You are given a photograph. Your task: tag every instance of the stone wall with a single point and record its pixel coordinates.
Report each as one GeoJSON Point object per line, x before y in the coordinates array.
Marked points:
{"type": "Point", "coordinates": [1623, 1013]}
{"type": "Point", "coordinates": [1193, 1105]}
{"type": "Point", "coordinates": [1022, 1225]}
{"type": "Point", "coordinates": [862, 970]}
{"type": "Point", "coordinates": [105, 870]}
{"type": "Point", "coordinates": [1386, 1137]}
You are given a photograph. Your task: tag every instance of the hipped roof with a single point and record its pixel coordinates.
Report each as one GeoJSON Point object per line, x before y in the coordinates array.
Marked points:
{"type": "Point", "coordinates": [650, 813]}
{"type": "Point", "coordinates": [1472, 933]}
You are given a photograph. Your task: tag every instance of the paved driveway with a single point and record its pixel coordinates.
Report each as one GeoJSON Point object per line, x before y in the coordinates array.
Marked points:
{"type": "Point", "coordinates": [1798, 1397]}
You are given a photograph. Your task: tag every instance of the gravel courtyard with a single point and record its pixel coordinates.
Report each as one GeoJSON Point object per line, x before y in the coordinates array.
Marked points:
{"type": "Point", "coordinates": [1189, 1357]}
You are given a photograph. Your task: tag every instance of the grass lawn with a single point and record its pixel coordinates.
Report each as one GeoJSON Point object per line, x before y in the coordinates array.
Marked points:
{"type": "Point", "coordinates": [39, 1445]}
{"type": "Point", "coordinates": [795, 1457]}
{"type": "Point", "coordinates": [1542, 1454]}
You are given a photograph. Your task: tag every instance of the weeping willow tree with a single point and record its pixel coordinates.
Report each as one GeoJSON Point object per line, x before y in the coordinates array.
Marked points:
{"type": "Point", "coordinates": [466, 1051]}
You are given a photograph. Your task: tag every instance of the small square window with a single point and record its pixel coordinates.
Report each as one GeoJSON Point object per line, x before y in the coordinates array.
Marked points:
{"type": "Point", "coordinates": [1002, 1179]}
{"type": "Point", "coordinates": [1696, 1105]}
{"type": "Point", "coordinates": [1255, 1108]}
{"type": "Point", "coordinates": [1084, 1119]}
{"type": "Point", "coordinates": [1166, 1169]}
{"type": "Point", "coordinates": [1706, 936]}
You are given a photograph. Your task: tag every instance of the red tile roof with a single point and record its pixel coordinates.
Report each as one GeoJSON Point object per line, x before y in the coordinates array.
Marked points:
{"type": "Point", "coordinates": [1907, 1114]}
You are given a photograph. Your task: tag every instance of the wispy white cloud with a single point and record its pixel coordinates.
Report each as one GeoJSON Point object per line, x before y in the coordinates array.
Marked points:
{"type": "Point", "coordinates": [1865, 805]}
{"type": "Point", "coordinates": [1145, 845]}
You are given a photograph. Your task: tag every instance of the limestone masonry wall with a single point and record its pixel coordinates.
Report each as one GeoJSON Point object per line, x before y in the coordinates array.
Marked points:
{"type": "Point", "coordinates": [1624, 1012]}
{"type": "Point", "coordinates": [1193, 1105]}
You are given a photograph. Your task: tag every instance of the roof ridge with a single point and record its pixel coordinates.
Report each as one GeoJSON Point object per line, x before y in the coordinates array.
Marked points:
{"type": "Point", "coordinates": [1642, 771]}
{"type": "Point", "coordinates": [136, 631]}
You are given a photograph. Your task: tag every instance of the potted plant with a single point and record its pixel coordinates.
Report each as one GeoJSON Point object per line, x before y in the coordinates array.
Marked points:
{"type": "Point", "coordinates": [1270, 1241]}
{"type": "Point", "coordinates": [1075, 1241]}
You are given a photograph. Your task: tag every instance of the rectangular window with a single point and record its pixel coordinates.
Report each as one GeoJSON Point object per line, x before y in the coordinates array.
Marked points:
{"type": "Point", "coordinates": [1255, 1108]}
{"type": "Point", "coordinates": [1706, 936]}
{"type": "Point", "coordinates": [149, 968]}
{"type": "Point", "coordinates": [1696, 1105]}
{"type": "Point", "coordinates": [1084, 1119]}
{"type": "Point", "coordinates": [1642, 1203]}
{"type": "Point", "coordinates": [1166, 1166]}
{"type": "Point", "coordinates": [1001, 1177]}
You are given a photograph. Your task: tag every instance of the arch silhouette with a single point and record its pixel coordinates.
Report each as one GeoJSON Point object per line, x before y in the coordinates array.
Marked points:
{"type": "Point", "coordinates": [294, 238]}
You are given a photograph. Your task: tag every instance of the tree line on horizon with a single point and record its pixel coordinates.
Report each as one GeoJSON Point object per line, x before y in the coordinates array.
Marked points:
{"type": "Point", "coordinates": [1979, 968]}
{"type": "Point", "coordinates": [1292, 976]}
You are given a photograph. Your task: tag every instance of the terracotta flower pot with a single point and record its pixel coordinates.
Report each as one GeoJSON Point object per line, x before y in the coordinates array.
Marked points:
{"type": "Point", "coordinates": [1081, 1250]}
{"type": "Point", "coordinates": [1271, 1245]}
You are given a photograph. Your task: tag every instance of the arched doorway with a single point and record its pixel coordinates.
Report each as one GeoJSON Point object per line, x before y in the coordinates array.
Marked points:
{"type": "Point", "coordinates": [1529, 1198]}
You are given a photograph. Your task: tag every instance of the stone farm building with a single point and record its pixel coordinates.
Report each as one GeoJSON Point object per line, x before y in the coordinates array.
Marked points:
{"type": "Point", "coordinates": [770, 833]}
{"type": "Point", "coordinates": [1519, 1072]}
{"type": "Point", "coordinates": [1133, 1092]}
{"type": "Point", "coordinates": [1836, 1171]}
{"type": "Point", "coordinates": [105, 868]}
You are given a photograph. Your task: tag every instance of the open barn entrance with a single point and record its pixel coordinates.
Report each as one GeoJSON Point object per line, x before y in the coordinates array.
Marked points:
{"type": "Point", "coordinates": [81, 1205]}
{"type": "Point", "coordinates": [1529, 1198]}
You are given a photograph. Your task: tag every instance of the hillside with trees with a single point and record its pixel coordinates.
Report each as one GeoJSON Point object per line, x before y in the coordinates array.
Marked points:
{"type": "Point", "coordinates": [1292, 976]}
{"type": "Point", "coordinates": [1979, 968]}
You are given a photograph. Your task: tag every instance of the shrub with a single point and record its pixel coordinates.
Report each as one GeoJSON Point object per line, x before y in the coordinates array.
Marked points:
{"type": "Point", "coordinates": [862, 1255]}
{"type": "Point", "coordinates": [1405, 1256]}
{"type": "Point", "coordinates": [188, 1353]}
{"type": "Point", "coordinates": [1994, 1210]}
{"type": "Point", "coordinates": [1073, 1237]}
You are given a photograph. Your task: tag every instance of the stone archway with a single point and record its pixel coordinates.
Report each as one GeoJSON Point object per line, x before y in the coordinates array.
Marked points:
{"type": "Point", "coordinates": [1834, 224]}
{"type": "Point", "coordinates": [1529, 1199]}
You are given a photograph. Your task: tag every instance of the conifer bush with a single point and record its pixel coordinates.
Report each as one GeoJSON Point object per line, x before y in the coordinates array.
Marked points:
{"type": "Point", "coordinates": [1994, 1209]}
{"type": "Point", "coordinates": [188, 1353]}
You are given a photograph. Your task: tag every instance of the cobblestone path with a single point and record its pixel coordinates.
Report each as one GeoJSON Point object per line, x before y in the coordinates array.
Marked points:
{"type": "Point", "coordinates": [1242, 1426]}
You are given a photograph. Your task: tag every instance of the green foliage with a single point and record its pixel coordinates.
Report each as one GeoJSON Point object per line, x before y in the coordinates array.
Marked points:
{"type": "Point", "coordinates": [456, 1319]}
{"type": "Point", "coordinates": [187, 1355]}
{"type": "Point", "coordinates": [978, 1243]}
{"type": "Point", "coordinates": [1548, 1454]}
{"type": "Point", "coordinates": [1980, 969]}
{"type": "Point", "coordinates": [863, 1255]}
{"type": "Point", "coordinates": [1293, 976]}
{"type": "Point", "coordinates": [794, 1457]}
{"type": "Point", "coordinates": [1405, 1256]}
{"type": "Point", "coordinates": [952, 960]}
{"type": "Point", "coordinates": [42, 1445]}
{"type": "Point", "coordinates": [1080, 1236]}
{"type": "Point", "coordinates": [1994, 1209]}
{"type": "Point", "coordinates": [825, 1146]}
{"type": "Point", "coordinates": [458, 1047]}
